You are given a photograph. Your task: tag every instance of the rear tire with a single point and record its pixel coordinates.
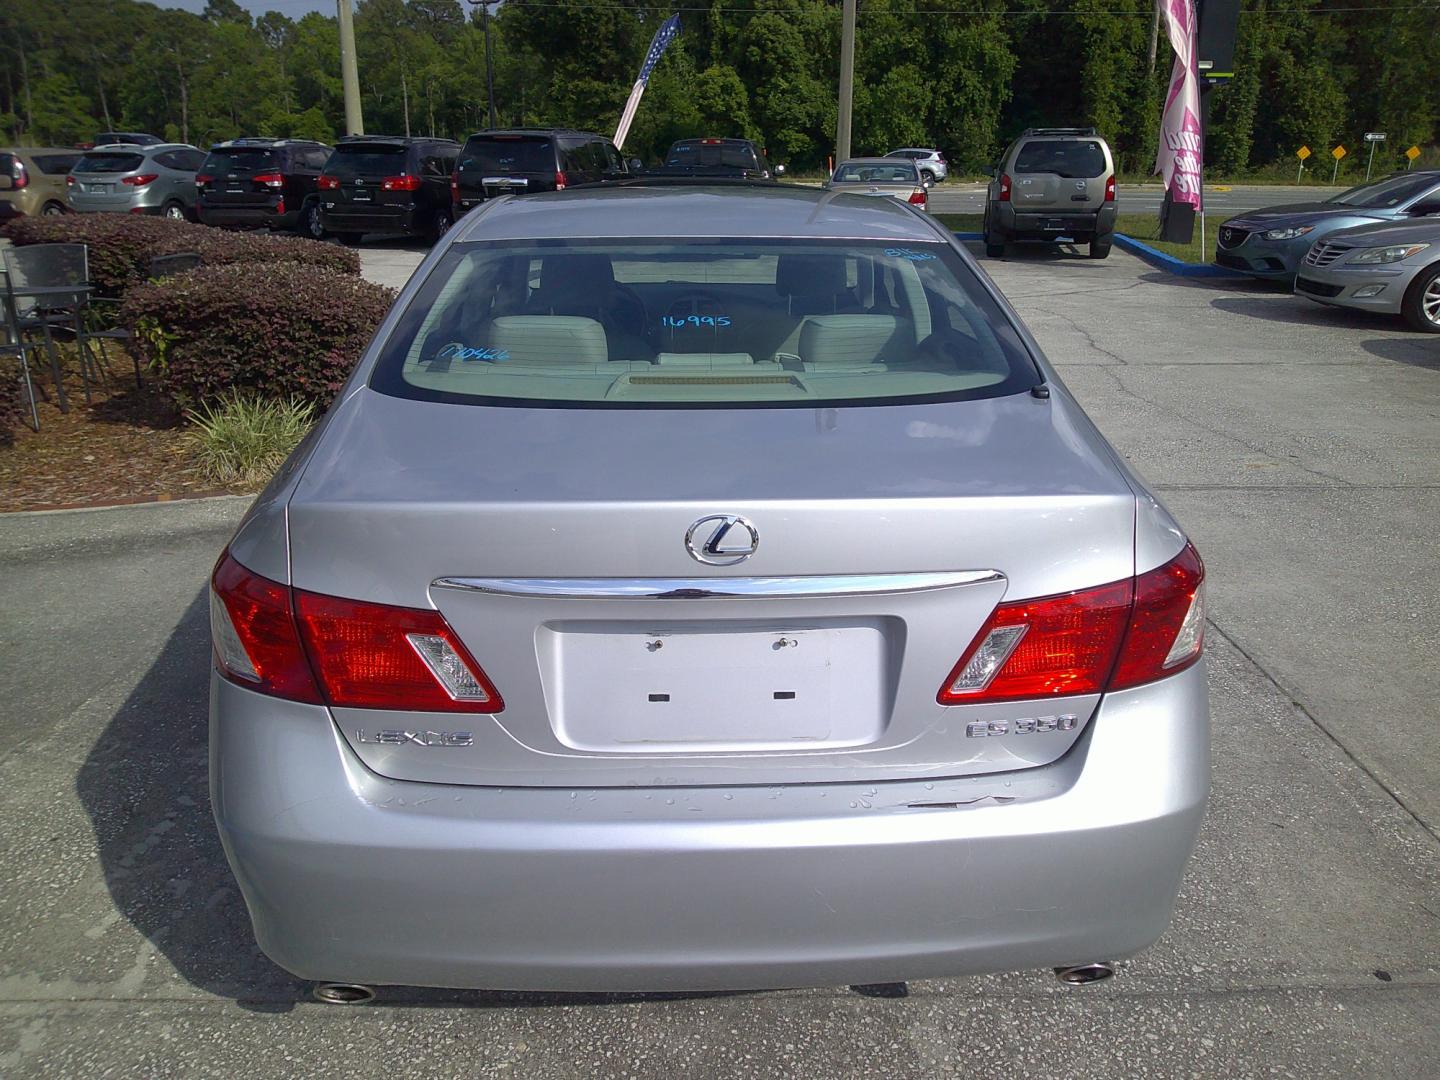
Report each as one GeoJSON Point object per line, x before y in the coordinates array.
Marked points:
{"type": "Point", "coordinates": [927, 178]}
{"type": "Point", "coordinates": [440, 226]}
{"type": "Point", "coordinates": [994, 247]}
{"type": "Point", "coordinates": [309, 223]}
{"type": "Point", "coordinates": [1421, 306]}
{"type": "Point", "coordinates": [1100, 249]}
{"type": "Point", "coordinates": [174, 211]}
{"type": "Point", "coordinates": [52, 209]}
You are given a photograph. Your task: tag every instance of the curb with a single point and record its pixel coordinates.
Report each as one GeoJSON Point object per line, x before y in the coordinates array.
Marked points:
{"type": "Point", "coordinates": [1170, 264]}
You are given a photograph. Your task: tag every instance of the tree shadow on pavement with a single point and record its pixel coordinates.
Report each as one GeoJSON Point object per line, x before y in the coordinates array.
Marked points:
{"type": "Point", "coordinates": [145, 786]}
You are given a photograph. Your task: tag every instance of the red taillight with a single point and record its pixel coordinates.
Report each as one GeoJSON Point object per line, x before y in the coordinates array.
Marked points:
{"type": "Point", "coordinates": [201, 179]}
{"type": "Point", "coordinates": [270, 180]}
{"type": "Point", "coordinates": [1004, 187]}
{"type": "Point", "coordinates": [559, 181]}
{"type": "Point", "coordinates": [20, 176]}
{"type": "Point", "coordinates": [69, 181]}
{"type": "Point", "coordinates": [1107, 638]}
{"type": "Point", "coordinates": [455, 188]}
{"type": "Point", "coordinates": [326, 650]}
{"type": "Point", "coordinates": [254, 635]}
{"type": "Point", "coordinates": [917, 198]}
{"type": "Point", "coordinates": [329, 183]}
{"type": "Point", "coordinates": [1109, 189]}
{"type": "Point", "coordinates": [400, 183]}
{"type": "Point", "coordinates": [374, 656]}
{"type": "Point", "coordinates": [141, 180]}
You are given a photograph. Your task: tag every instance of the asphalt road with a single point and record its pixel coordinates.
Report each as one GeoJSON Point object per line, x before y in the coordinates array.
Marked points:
{"type": "Point", "coordinates": [1300, 448]}
{"type": "Point", "coordinates": [1222, 202]}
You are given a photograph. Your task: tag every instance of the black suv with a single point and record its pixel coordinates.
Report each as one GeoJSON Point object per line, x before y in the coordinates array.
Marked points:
{"type": "Point", "coordinates": [387, 184]}
{"type": "Point", "coordinates": [522, 161]}
{"type": "Point", "coordinates": [718, 157]}
{"type": "Point", "coordinates": [253, 183]}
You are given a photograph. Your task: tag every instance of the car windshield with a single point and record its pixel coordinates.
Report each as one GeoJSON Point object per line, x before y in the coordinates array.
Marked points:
{"type": "Point", "coordinates": [372, 160]}
{"type": "Point", "coordinates": [1384, 194]}
{"type": "Point", "coordinates": [111, 161]}
{"type": "Point", "coordinates": [712, 323]}
{"type": "Point", "coordinates": [1070, 158]}
{"type": "Point", "coordinates": [875, 173]}
{"type": "Point", "coordinates": [241, 159]}
{"type": "Point", "coordinates": [730, 155]}
{"type": "Point", "coordinates": [509, 155]}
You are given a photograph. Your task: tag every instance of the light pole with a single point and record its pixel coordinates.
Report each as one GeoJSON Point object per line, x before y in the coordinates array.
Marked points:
{"type": "Point", "coordinates": [847, 80]}
{"type": "Point", "coordinates": [349, 73]}
{"type": "Point", "coordinates": [484, 6]}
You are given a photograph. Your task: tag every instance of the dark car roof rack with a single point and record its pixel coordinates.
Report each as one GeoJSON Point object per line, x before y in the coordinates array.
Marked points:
{"type": "Point", "coordinates": [1029, 132]}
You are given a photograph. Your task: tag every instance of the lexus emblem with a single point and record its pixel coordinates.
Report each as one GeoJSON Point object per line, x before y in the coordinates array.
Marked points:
{"type": "Point", "coordinates": [721, 540]}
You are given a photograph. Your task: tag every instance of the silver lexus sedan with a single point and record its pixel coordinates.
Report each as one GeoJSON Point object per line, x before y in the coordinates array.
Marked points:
{"type": "Point", "coordinates": [701, 588]}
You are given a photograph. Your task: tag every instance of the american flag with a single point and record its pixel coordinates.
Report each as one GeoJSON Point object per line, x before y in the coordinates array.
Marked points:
{"type": "Point", "coordinates": [666, 34]}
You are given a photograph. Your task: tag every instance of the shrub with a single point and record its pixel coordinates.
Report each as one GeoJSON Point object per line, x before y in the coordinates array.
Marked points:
{"type": "Point", "coordinates": [277, 330]}
{"type": "Point", "coordinates": [12, 400]}
{"type": "Point", "coordinates": [242, 439]}
{"type": "Point", "coordinates": [121, 246]}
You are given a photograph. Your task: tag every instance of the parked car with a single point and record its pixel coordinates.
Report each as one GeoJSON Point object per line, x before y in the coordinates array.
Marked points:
{"type": "Point", "coordinates": [131, 138]}
{"type": "Point", "coordinates": [1270, 243]}
{"type": "Point", "coordinates": [718, 157]}
{"type": "Point", "coordinates": [387, 184]}
{"type": "Point", "coordinates": [1053, 183]}
{"type": "Point", "coordinates": [697, 588]}
{"type": "Point", "coordinates": [525, 161]}
{"type": "Point", "coordinates": [129, 178]}
{"type": "Point", "coordinates": [1392, 268]}
{"type": "Point", "coordinates": [270, 183]}
{"type": "Point", "coordinates": [885, 176]}
{"type": "Point", "coordinates": [931, 163]}
{"type": "Point", "coordinates": [32, 178]}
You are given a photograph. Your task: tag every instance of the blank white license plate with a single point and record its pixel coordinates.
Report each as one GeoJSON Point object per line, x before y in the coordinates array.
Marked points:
{"type": "Point", "coordinates": [99, 189]}
{"type": "Point", "coordinates": [740, 690]}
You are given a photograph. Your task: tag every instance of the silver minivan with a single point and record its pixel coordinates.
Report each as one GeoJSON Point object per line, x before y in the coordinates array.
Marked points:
{"type": "Point", "coordinates": [705, 587]}
{"type": "Point", "coordinates": [123, 178]}
{"type": "Point", "coordinates": [1052, 184]}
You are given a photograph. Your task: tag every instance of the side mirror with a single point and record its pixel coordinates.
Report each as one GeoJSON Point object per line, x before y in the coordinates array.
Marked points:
{"type": "Point", "coordinates": [779, 170]}
{"type": "Point", "coordinates": [635, 165]}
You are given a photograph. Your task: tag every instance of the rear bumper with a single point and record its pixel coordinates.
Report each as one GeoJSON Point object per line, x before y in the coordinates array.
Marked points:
{"type": "Point", "coordinates": [380, 219]}
{"type": "Point", "coordinates": [351, 877]}
{"type": "Point", "coordinates": [1051, 226]}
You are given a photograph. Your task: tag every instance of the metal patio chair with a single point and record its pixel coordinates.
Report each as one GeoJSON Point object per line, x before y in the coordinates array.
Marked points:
{"type": "Point", "coordinates": [47, 289]}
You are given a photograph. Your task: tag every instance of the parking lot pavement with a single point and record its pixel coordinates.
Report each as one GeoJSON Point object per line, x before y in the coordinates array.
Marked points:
{"type": "Point", "coordinates": [1298, 446]}
{"type": "Point", "coordinates": [1221, 202]}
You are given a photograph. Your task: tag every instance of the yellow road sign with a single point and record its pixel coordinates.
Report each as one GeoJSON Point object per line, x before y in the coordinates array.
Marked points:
{"type": "Point", "coordinates": [1303, 153]}
{"type": "Point", "coordinates": [1413, 153]}
{"type": "Point", "coordinates": [1338, 153]}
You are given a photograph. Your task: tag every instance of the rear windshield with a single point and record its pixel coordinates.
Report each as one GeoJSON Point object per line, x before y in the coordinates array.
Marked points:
{"type": "Point", "coordinates": [241, 160]}
{"type": "Point", "coordinates": [701, 323]}
{"type": "Point", "coordinates": [727, 154]}
{"type": "Point", "coordinates": [505, 156]}
{"type": "Point", "coordinates": [877, 174]}
{"type": "Point", "coordinates": [55, 164]}
{"type": "Point", "coordinates": [366, 161]}
{"type": "Point", "coordinates": [1384, 194]}
{"type": "Point", "coordinates": [112, 161]}
{"type": "Point", "coordinates": [1070, 158]}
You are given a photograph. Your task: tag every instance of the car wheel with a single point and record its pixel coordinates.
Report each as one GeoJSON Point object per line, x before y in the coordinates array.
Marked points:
{"type": "Point", "coordinates": [1421, 306]}
{"type": "Point", "coordinates": [994, 247]}
{"type": "Point", "coordinates": [927, 177]}
{"type": "Point", "coordinates": [440, 226]}
{"type": "Point", "coordinates": [309, 223]}
{"type": "Point", "coordinates": [1100, 249]}
{"type": "Point", "coordinates": [52, 209]}
{"type": "Point", "coordinates": [173, 210]}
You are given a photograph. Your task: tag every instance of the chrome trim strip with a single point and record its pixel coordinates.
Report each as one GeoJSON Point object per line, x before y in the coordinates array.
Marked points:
{"type": "Point", "coordinates": [718, 588]}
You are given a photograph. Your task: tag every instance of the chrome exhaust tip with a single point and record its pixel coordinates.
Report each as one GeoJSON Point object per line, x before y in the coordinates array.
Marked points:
{"type": "Point", "coordinates": [1083, 974]}
{"type": "Point", "coordinates": [343, 993]}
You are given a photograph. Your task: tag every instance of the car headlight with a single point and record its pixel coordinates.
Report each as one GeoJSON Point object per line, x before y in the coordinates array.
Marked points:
{"type": "Point", "coordinates": [1388, 254]}
{"type": "Point", "coordinates": [1289, 234]}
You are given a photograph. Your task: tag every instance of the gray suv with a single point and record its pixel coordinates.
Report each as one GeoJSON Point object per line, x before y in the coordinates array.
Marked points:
{"type": "Point", "coordinates": [124, 178]}
{"type": "Point", "coordinates": [1053, 184]}
{"type": "Point", "coordinates": [931, 163]}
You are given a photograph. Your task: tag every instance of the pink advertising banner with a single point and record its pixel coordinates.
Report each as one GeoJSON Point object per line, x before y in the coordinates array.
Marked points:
{"type": "Point", "coordinates": [1182, 143]}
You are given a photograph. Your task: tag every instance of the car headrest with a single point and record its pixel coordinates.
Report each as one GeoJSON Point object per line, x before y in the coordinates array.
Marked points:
{"type": "Point", "coordinates": [580, 273]}
{"type": "Point", "coordinates": [853, 340]}
{"type": "Point", "coordinates": [547, 339]}
{"type": "Point", "coordinates": [810, 275]}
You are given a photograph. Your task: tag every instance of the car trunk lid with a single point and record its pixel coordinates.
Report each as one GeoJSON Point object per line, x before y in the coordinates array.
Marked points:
{"type": "Point", "coordinates": [887, 536]}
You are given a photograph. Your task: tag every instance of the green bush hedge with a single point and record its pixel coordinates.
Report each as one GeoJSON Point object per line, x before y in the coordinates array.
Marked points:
{"type": "Point", "coordinates": [278, 330]}
{"type": "Point", "coordinates": [122, 245]}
